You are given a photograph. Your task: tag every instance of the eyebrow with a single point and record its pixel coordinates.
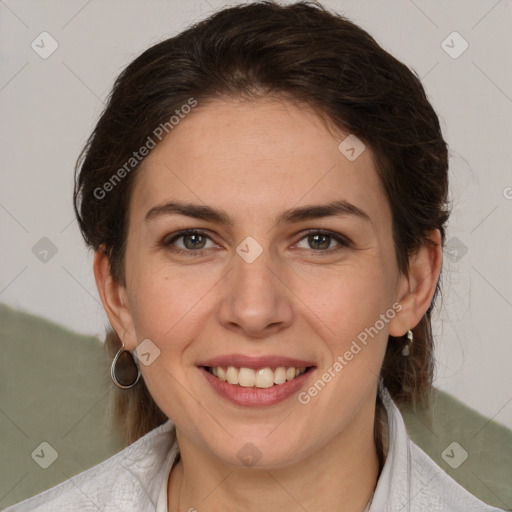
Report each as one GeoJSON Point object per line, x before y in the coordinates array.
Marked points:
{"type": "Point", "coordinates": [335, 208]}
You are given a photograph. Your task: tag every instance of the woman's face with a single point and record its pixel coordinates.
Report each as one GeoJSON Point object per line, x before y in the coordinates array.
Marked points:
{"type": "Point", "coordinates": [261, 287]}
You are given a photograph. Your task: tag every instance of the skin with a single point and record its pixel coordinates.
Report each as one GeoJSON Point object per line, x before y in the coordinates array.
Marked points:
{"type": "Point", "coordinates": [299, 298]}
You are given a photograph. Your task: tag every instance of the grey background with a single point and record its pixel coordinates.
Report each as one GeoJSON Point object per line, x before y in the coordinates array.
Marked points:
{"type": "Point", "coordinates": [49, 106]}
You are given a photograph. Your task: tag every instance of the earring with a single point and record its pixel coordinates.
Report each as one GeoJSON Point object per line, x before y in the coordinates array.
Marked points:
{"type": "Point", "coordinates": [124, 371]}
{"type": "Point", "coordinates": [410, 338]}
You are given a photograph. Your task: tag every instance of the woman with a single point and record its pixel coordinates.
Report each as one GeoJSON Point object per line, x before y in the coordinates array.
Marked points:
{"type": "Point", "coordinates": [266, 197]}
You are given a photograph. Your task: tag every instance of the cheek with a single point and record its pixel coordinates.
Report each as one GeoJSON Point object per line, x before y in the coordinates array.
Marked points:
{"type": "Point", "coordinates": [353, 309]}
{"type": "Point", "coordinates": [165, 310]}
{"type": "Point", "coordinates": [161, 303]}
{"type": "Point", "coordinates": [354, 298]}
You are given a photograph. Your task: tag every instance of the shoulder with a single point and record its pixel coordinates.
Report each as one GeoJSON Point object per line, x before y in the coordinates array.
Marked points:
{"type": "Point", "coordinates": [130, 479]}
{"type": "Point", "coordinates": [433, 489]}
{"type": "Point", "coordinates": [411, 481]}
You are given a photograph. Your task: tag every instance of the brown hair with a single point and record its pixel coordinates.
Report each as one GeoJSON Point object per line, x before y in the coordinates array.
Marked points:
{"type": "Point", "coordinates": [304, 53]}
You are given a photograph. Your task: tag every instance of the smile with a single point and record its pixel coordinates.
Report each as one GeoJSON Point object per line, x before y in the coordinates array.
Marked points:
{"type": "Point", "coordinates": [256, 378]}
{"type": "Point", "coordinates": [257, 387]}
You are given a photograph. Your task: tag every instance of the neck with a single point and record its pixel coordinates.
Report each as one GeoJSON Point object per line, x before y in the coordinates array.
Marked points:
{"type": "Point", "coordinates": [341, 475]}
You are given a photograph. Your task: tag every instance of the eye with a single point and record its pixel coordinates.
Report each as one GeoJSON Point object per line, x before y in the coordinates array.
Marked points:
{"type": "Point", "coordinates": [320, 240]}
{"type": "Point", "coordinates": [193, 241]}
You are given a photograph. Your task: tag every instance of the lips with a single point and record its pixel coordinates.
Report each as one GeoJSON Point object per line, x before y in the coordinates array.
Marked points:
{"type": "Point", "coordinates": [236, 383]}
{"type": "Point", "coordinates": [255, 362]}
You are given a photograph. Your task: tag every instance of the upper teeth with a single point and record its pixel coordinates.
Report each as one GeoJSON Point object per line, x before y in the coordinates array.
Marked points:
{"type": "Point", "coordinates": [261, 378]}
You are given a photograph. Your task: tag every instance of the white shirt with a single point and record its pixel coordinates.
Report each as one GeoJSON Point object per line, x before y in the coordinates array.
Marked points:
{"type": "Point", "coordinates": [135, 479]}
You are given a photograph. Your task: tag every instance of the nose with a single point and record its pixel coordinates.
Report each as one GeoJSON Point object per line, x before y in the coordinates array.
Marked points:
{"type": "Point", "coordinates": [256, 301]}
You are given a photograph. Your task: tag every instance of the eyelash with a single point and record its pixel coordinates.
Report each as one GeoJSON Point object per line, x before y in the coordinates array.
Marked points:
{"type": "Point", "coordinates": [167, 242]}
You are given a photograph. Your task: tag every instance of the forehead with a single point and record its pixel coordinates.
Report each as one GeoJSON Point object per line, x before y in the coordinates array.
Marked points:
{"type": "Point", "coordinates": [256, 158]}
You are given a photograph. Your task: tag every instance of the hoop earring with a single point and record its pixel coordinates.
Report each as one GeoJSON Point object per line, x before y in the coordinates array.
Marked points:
{"type": "Point", "coordinates": [410, 338]}
{"type": "Point", "coordinates": [128, 374]}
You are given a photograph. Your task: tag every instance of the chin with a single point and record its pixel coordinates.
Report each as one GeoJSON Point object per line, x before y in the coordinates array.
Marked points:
{"type": "Point", "coordinates": [258, 452]}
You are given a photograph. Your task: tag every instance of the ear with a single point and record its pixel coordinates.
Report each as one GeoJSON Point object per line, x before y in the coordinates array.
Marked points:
{"type": "Point", "coordinates": [416, 289]}
{"type": "Point", "coordinates": [115, 300]}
